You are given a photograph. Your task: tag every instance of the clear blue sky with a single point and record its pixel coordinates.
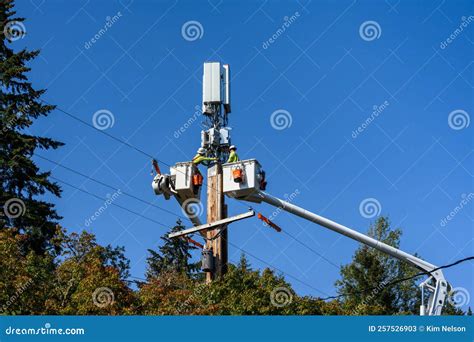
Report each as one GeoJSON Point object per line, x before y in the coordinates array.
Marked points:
{"type": "Point", "coordinates": [324, 70]}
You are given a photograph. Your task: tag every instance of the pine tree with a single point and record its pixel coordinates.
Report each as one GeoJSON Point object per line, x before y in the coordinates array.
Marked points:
{"type": "Point", "coordinates": [20, 104]}
{"type": "Point", "coordinates": [173, 256]}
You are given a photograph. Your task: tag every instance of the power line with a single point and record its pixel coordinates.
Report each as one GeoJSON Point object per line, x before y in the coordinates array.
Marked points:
{"type": "Point", "coordinates": [277, 269]}
{"type": "Point", "coordinates": [99, 130]}
{"type": "Point", "coordinates": [312, 250]}
{"type": "Point", "coordinates": [114, 204]}
{"type": "Point", "coordinates": [150, 156]}
{"type": "Point", "coordinates": [400, 280]}
{"type": "Point", "coordinates": [164, 163]}
{"type": "Point", "coordinates": [163, 209]}
{"type": "Point", "coordinates": [139, 150]}
{"type": "Point", "coordinates": [162, 224]}
{"type": "Point", "coordinates": [392, 283]}
{"type": "Point", "coordinates": [110, 186]}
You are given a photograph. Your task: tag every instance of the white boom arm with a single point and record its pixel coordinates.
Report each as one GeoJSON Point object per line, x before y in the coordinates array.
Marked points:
{"type": "Point", "coordinates": [437, 291]}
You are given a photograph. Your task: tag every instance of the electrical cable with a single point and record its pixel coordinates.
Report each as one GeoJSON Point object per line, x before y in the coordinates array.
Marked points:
{"type": "Point", "coordinates": [312, 250]}
{"type": "Point", "coordinates": [166, 226]}
{"type": "Point", "coordinates": [277, 269]}
{"type": "Point", "coordinates": [150, 156]}
{"type": "Point", "coordinates": [113, 137]}
{"type": "Point", "coordinates": [164, 163]}
{"type": "Point", "coordinates": [110, 187]}
{"type": "Point", "coordinates": [114, 204]}
{"type": "Point", "coordinates": [399, 280]}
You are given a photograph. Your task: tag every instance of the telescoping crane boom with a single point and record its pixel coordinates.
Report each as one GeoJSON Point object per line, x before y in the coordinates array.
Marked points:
{"type": "Point", "coordinates": [249, 190]}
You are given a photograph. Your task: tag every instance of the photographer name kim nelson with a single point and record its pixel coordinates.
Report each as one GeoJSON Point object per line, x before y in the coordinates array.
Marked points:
{"type": "Point", "coordinates": [445, 328]}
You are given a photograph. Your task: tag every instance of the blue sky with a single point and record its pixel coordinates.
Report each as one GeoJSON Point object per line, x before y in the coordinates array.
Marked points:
{"type": "Point", "coordinates": [324, 72]}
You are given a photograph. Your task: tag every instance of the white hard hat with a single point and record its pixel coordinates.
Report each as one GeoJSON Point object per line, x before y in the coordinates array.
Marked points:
{"type": "Point", "coordinates": [201, 150]}
{"type": "Point", "coordinates": [232, 147]}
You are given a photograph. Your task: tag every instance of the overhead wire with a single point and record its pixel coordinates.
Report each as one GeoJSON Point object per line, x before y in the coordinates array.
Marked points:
{"type": "Point", "coordinates": [396, 281]}
{"type": "Point", "coordinates": [400, 280]}
{"type": "Point", "coordinates": [392, 283]}
{"type": "Point", "coordinates": [164, 163]}
{"type": "Point", "coordinates": [166, 226]}
{"type": "Point", "coordinates": [112, 203]}
{"type": "Point", "coordinates": [109, 186]}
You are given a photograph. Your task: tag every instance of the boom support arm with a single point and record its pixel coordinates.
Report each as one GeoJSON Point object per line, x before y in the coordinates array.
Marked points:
{"type": "Point", "coordinates": [437, 291]}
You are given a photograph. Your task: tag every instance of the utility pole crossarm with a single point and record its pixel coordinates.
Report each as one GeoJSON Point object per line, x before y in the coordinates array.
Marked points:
{"type": "Point", "coordinates": [212, 225]}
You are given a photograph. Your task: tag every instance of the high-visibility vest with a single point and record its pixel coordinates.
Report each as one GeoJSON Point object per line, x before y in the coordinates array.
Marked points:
{"type": "Point", "coordinates": [233, 157]}
{"type": "Point", "coordinates": [198, 159]}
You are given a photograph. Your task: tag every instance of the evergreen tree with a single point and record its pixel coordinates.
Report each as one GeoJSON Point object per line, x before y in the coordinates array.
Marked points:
{"type": "Point", "coordinates": [173, 256]}
{"type": "Point", "coordinates": [373, 270]}
{"type": "Point", "coordinates": [451, 307]}
{"type": "Point", "coordinates": [20, 104]}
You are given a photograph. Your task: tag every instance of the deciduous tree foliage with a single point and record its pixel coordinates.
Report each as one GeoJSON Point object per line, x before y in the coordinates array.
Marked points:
{"type": "Point", "coordinates": [46, 270]}
{"type": "Point", "coordinates": [87, 278]}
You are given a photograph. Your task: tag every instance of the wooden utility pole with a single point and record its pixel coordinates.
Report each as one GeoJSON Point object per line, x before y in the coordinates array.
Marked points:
{"type": "Point", "coordinates": [216, 210]}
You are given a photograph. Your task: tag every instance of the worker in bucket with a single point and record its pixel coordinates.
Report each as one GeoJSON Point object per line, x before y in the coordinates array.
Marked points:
{"type": "Point", "coordinates": [200, 158]}
{"type": "Point", "coordinates": [233, 157]}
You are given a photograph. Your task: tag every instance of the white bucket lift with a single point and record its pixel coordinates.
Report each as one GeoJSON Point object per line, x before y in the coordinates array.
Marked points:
{"type": "Point", "coordinates": [179, 183]}
{"type": "Point", "coordinates": [250, 189]}
{"type": "Point", "coordinates": [252, 179]}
